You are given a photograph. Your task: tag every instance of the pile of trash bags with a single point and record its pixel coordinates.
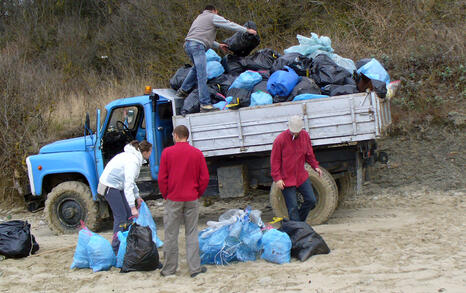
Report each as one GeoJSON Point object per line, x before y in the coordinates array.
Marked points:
{"type": "Point", "coordinates": [240, 235]}
{"type": "Point", "coordinates": [16, 240]}
{"type": "Point", "coordinates": [309, 70]}
{"type": "Point", "coordinates": [137, 250]}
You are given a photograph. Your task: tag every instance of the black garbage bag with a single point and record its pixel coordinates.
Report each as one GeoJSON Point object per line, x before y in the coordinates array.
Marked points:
{"type": "Point", "coordinates": [338, 89]}
{"type": "Point", "coordinates": [232, 64]}
{"type": "Point", "coordinates": [302, 65]}
{"type": "Point", "coordinates": [16, 240]}
{"type": "Point", "coordinates": [177, 79]}
{"type": "Point", "coordinates": [241, 44]}
{"type": "Point", "coordinates": [141, 252]}
{"type": "Point", "coordinates": [363, 81]}
{"type": "Point", "coordinates": [261, 86]}
{"type": "Point", "coordinates": [280, 99]}
{"type": "Point", "coordinates": [284, 60]}
{"type": "Point", "coordinates": [325, 71]}
{"type": "Point", "coordinates": [305, 86]}
{"type": "Point", "coordinates": [221, 84]}
{"type": "Point", "coordinates": [241, 98]}
{"type": "Point", "coordinates": [191, 103]}
{"type": "Point", "coordinates": [261, 60]}
{"type": "Point", "coordinates": [305, 241]}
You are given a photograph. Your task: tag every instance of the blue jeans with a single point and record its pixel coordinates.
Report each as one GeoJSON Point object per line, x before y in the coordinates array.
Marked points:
{"type": "Point", "coordinates": [289, 193]}
{"type": "Point", "coordinates": [121, 211]}
{"type": "Point", "coordinates": [196, 52]}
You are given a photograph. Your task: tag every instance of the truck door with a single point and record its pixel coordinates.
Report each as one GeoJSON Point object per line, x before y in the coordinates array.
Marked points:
{"type": "Point", "coordinates": [162, 130]}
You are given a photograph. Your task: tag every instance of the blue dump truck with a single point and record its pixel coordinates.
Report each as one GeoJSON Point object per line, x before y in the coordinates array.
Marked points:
{"type": "Point", "coordinates": [236, 144]}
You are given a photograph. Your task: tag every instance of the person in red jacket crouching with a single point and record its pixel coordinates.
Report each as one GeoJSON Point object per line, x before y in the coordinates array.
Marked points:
{"type": "Point", "coordinates": [183, 178]}
{"type": "Point", "coordinates": [291, 149]}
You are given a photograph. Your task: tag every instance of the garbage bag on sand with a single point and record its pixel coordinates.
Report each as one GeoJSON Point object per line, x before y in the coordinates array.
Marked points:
{"type": "Point", "coordinates": [276, 246]}
{"type": "Point", "coordinates": [247, 80]}
{"type": "Point", "coordinates": [236, 236]}
{"type": "Point", "coordinates": [261, 60]}
{"type": "Point", "coordinates": [122, 248]}
{"type": "Point", "coordinates": [243, 43]}
{"type": "Point", "coordinates": [325, 71]}
{"type": "Point", "coordinates": [100, 253]}
{"type": "Point", "coordinates": [93, 251]}
{"type": "Point", "coordinates": [141, 252]}
{"type": "Point", "coordinates": [305, 241]}
{"type": "Point", "coordinates": [145, 219]}
{"type": "Point", "coordinates": [180, 75]}
{"type": "Point", "coordinates": [260, 98]}
{"type": "Point", "coordinates": [282, 82]}
{"type": "Point", "coordinates": [214, 69]}
{"type": "Point", "coordinates": [16, 240]}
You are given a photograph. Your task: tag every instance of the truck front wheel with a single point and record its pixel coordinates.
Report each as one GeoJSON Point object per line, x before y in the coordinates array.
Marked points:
{"type": "Point", "coordinates": [325, 190]}
{"type": "Point", "coordinates": [67, 204]}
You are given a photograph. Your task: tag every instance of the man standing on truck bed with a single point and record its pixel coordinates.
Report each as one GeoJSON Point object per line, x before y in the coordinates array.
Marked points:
{"type": "Point", "coordinates": [200, 38]}
{"type": "Point", "coordinates": [183, 178]}
{"type": "Point", "coordinates": [291, 149]}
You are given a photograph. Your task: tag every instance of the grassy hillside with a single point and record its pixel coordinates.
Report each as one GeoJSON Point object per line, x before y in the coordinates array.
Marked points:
{"type": "Point", "coordinates": [62, 58]}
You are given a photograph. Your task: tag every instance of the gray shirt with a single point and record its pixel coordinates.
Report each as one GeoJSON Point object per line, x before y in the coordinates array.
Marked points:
{"type": "Point", "coordinates": [203, 29]}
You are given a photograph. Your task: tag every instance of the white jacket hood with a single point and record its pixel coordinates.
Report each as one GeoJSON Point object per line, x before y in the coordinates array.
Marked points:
{"type": "Point", "coordinates": [132, 150]}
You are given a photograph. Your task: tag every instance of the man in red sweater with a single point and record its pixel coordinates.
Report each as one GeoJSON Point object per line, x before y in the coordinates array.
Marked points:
{"type": "Point", "coordinates": [291, 149]}
{"type": "Point", "coordinates": [183, 178]}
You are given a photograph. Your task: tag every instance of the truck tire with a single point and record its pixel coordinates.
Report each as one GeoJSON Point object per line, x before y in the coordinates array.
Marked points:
{"type": "Point", "coordinates": [326, 193]}
{"type": "Point", "coordinates": [67, 204]}
{"type": "Point", "coordinates": [345, 185]}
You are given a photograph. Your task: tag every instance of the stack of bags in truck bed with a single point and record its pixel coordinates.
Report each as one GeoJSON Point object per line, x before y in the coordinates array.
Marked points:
{"type": "Point", "coordinates": [305, 71]}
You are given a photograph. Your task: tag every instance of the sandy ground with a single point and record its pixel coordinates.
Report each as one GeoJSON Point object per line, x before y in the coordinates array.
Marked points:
{"type": "Point", "coordinates": [406, 232]}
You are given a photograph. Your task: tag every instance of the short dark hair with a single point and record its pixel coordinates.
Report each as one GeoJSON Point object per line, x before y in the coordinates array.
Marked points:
{"type": "Point", "coordinates": [210, 7]}
{"type": "Point", "coordinates": [181, 131]}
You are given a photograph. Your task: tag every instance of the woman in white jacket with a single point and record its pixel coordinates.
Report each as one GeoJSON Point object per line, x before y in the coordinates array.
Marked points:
{"type": "Point", "coordinates": [119, 180]}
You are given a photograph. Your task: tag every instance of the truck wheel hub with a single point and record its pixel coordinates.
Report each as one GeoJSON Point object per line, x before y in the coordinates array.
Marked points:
{"type": "Point", "coordinates": [70, 212]}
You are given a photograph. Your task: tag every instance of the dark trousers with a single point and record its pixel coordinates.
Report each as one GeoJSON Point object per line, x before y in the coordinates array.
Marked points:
{"type": "Point", "coordinates": [121, 213]}
{"type": "Point", "coordinates": [289, 193]}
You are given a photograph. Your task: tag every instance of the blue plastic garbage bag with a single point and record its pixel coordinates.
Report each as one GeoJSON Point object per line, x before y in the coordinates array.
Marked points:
{"type": "Point", "coordinates": [211, 55]}
{"type": "Point", "coordinates": [222, 105]}
{"type": "Point", "coordinates": [81, 258]}
{"type": "Point", "coordinates": [307, 45]}
{"type": "Point", "coordinates": [214, 69]}
{"type": "Point", "coordinates": [122, 248]}
{"type": "Point", "coordinates": [247, 80]}
{"type": "Point", "coordinates": [211, 245]}
{"type": "Point", "coordinates": [100, 252]}
{"type": "Point", "coordinates": [308, 97]}
{"type": "Point", "coordinates": [276, 246]}
{"type": "Point", "coordinates": [261, 98]}
{"type": "Point", "coordinates": [282, 82]}
{"type": "Point", "coordinates": [374, 70]}
{"type": "Point", "coordinates": [250, 238]}
{"type": "Point", "coordinates": [145, 219]}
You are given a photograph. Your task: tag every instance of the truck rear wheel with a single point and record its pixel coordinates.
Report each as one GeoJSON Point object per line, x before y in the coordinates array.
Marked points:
{"type": "Point", "coordinates": [69, 203]}
{"type": "Point", "coordinates": [346, 185]}
{"type": "Point", "coordinates": [325, 190]}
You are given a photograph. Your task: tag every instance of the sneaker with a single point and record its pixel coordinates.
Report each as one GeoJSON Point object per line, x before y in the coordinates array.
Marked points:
{"type": "Point", "coordinates": [203, 270]}
{"type": "Point", "coordinates": [181, 93]}
{"type": "Point", "coordinates": [208, 108]}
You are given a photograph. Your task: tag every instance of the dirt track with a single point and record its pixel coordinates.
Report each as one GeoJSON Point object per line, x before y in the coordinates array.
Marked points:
{"type": "Point", "coordinates": [404, 233]}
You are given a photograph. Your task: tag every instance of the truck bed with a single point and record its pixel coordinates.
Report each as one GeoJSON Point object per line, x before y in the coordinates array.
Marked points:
{"type": "Point", "coordinates": [329, 121]}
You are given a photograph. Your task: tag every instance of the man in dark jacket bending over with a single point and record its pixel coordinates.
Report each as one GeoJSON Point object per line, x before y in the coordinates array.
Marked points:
{"type": "Point", "coordinates": [200, 38]}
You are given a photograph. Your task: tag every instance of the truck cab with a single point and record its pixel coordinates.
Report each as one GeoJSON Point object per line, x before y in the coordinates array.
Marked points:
{"type": "Point", "coordinates": [65, 173]}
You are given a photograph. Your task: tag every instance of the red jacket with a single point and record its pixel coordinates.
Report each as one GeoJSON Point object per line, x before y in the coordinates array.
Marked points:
{"type": "Point", "coordinates": [183, 174]}
{"type": "Point", "coordinates": [288, 158]}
